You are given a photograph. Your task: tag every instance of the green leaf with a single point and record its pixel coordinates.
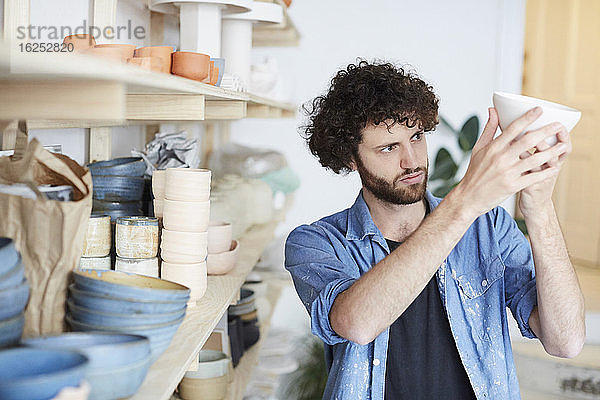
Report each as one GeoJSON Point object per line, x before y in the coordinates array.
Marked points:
{"type": "Point", "coordinates": [468, 134]}
{"type": "Point", "coordinates": [444, 166]}
{"type": "Point", "coordinates": [443, 190]}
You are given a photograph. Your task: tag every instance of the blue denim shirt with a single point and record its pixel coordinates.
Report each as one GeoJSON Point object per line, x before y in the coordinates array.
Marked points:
{"type": "Point", "coordinates": [491, 268]}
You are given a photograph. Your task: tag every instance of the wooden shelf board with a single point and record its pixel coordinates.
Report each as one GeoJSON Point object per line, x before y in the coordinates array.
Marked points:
{"type": "Point", "coordinates": [166, 373]}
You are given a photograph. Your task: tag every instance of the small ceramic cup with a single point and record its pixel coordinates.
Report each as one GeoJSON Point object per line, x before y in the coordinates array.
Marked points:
{"type": "Point", "coordinates": [97, 240]}
{"type": "Point", "coordinates": [222, 263]}
{"type": "Point", "coordinates": [101, 263]}
{"type": "Point", "coordinates": [183, 247]}
{"type": "Point", "coordinates": [80, 41]}
{"type": "Point", "coordinates": [126, 50]}
{"type": "Point", "coordinates": [191, 275]}
{"type": "Point", "coordinates": [162, 52]}
{"type": "Point", "coordinates": [140, 266]}
{"type": "Point", "coordinates": [210, 388]}
{"type": "Point", "coordinates": [159, 205]}
{"type": "Point", "coordinates": [219, 237]}
{"type": "Point", "coordinates": [186, 216]}
{"type": "Point", "coordinates": [190, 65]}
{"type": "Point", "coordinates": [211, 364]}
{"type": "Point", "coordinates": [187, 184]}
{"type": "Point", "coordinates": [136, 237]}
{"type": "Point", "coordinates": [147, 63]}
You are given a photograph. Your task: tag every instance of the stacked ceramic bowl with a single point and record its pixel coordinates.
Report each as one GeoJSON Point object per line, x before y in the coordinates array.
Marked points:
{"type": "Point", "coordinates": [158, 190]}
{"type": "Point", "coordinates": [118, 363]}
{"type": "Point", "coordinates": [36, 374]}
{"type": "Point", "coordinates": [222, 251]}
{"type": "Point", "coordinates": [97, 243]}
{"type": "Point", "coordinates": [208, 378]}
{"type": "Point", "coordinates": [243, 324]}
{"type": "Point", "coordinates": [118, 186]}
{"type": "Point", "coordinates": [184, 240]}
{"type": "Point", "coordinates": [113, 301]}
{"type": "Point", "coordinates": [136, 242]}
{"type": "Point", "coordinates": [14, 293]}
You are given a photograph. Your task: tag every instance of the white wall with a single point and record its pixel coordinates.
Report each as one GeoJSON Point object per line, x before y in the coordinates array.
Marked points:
{"type": "Point", "coordinates": [465, 49]}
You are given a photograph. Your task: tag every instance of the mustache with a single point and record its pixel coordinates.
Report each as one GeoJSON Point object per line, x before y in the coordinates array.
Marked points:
{"type": "Point", "coordinates": [410, 172]}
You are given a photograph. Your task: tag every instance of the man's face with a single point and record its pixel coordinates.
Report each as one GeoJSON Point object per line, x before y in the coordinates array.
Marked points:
{"type": "Point", "coordinates": [393, 164]}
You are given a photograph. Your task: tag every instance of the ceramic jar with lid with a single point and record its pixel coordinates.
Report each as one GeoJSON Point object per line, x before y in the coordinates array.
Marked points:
{"type": "Point", "coordinates": [136, 237]}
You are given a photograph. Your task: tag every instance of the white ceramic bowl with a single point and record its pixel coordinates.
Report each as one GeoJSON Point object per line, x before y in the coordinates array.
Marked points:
{"type": "Point", "coordinates": [158, 183]}
{"type": "Point", "coordinates": [222, 263]}
{"type": "Point", "coordinates": [181, 242]}
{"type": "Point", "coordinates": [186, 216]}
{"type": "Point", "coordinates": [211, 364]}
{"type": "Point", "coordinates": [191, 275]}
{"type": "Point", "coordinates": [187, 184]}
{"type": "Point", "coordinates": [219, 237]}
{"type": "Point", "coordinates": [512, 106]}
{"type": "Point", "coordinates": [140, 266]}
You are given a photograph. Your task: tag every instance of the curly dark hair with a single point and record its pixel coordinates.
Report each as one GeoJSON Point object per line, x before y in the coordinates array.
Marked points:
{"type": "Point", "coordinates": [365, 93]}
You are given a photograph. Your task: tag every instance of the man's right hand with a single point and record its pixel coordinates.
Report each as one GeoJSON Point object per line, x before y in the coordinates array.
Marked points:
{"type": "Point", "coordinates": [496, 171]}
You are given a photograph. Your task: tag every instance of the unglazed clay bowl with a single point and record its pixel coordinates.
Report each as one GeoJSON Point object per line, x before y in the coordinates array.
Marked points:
{"type": "Point", "coordinates": [222, 263]}
{"type": "Point", "coordinates": [187, 184]}
{"type": "Point", "coordinates": [126, 50]}
{"type": "Point", "coordinates": [187, 216]}
{"type": "Point", "coordinates": [511, 106]}
{"type": "Point", "coordinates": [190, 275]}
{"type": "Point", "coordinates": [162, 52]}
{"type": "Point", "coordinates": [80, 41]}
{"type": "Point", "coordinates": [147, 63]}
{"type": "Point", "coordinates": [190, 65]}
{"type": "Point", "coordinates": [158, 183]}
{"type": "Point", "coordinates": [183, 247]}
{"type": "Point", "coordinates": [219, 237]}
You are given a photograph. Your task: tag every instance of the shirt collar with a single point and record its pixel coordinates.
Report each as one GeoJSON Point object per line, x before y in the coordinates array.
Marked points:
{"type": "Point", "coordinates": [360, 222]}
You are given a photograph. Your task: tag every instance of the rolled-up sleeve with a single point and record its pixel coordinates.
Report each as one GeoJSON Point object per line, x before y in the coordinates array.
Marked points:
{"type": "Point", "coordinates": [519, 275]}
{"type": "Point", "coordinates": [319, 276]}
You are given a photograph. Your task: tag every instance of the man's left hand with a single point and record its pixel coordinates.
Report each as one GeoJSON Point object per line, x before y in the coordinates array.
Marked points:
{"type": "Point", "coordinates": [539, 195]}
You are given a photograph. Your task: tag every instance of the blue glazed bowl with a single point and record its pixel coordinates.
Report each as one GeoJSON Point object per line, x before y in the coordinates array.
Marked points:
{"type": "Point", "coordinates": [158, 334]}
{"type": "Point", "coordinates": [11, 331]}
{"type": "Point", "coordinates": [120, 382]}
{"type": "Point", "coordinates": [124, 166]}
{"type": "Point", "coordinates": [9, 255]}
{"type": "Point", "coordinates": [118, 188]}
{"type": "Point", "coordinates": [13, 300]}
{"type": "Point", "coordinates": [87, 316]}
{"type": "Point", "coordinates": [104, 350]}
{"type": "Point", "coordinates": [101, 302]}
{"type": "Point", "coordinates": [13, 277]}
{"type": "Point", "coordinates": [129, 286]}
{"type": "Point", "coordinates": [35, 374]}
{"type": "Point", "coordinates": [101, 205]}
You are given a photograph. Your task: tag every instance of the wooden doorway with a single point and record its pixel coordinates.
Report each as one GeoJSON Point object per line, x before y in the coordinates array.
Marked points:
{"type": "Point", "coordinates": [562, 64]}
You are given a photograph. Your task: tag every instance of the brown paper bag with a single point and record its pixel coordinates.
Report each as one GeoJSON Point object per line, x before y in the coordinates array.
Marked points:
{"type": "Point", "coordinates": [48, 233]}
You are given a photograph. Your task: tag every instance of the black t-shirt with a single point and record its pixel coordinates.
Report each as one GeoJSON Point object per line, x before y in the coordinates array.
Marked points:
{"type": "Point", "coordinates": [422, 359]}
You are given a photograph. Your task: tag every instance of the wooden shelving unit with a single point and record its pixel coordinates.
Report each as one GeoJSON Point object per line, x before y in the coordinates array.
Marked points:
{"type": "Point", "coordinates": [92, 92]}
{"type": "Point", "coordinates": [166, 373]}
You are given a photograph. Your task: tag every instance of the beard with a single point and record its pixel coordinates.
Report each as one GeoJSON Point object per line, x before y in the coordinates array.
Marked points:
{"type": "Point", "coordinates": [393, 192]}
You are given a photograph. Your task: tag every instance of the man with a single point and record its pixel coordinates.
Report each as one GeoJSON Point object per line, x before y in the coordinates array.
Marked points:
{"type": "Point", "coordinates": [408, 291]}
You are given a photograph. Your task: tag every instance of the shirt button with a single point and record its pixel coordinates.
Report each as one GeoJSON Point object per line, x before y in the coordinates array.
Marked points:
{"type": "Point", "coordinates": [484, 283]}
{"type": "Point", "coordinates": [376, 362]}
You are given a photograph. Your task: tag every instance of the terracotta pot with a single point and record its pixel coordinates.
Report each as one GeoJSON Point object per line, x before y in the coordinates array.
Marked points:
{"type": "Point", "coordinates": [190, 65]}
{"type": "Point", "coordinates": [104, 52]}
{"type": "Point", "coordinates": [149, 63]}
{"type": "Point", "coordinates": [80, 41]}
{"type": "Point", "coordinates": [126, 50]}
{"type": "Point", "coordinates": [162, 52]}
